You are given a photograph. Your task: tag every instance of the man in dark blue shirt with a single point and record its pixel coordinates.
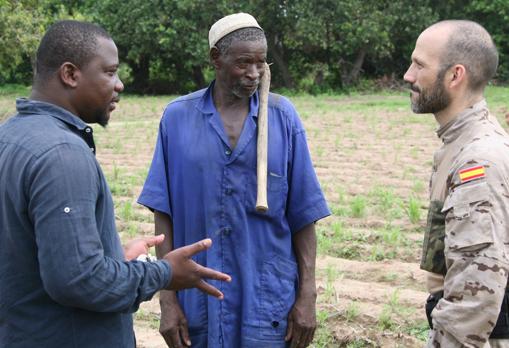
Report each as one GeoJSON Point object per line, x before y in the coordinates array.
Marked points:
{"type": "Point", "coordinates": [65, 280]}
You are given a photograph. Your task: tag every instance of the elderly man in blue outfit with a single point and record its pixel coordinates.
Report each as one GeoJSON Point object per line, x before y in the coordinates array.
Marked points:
{"type": "Point", "coordinates": [202, 183]}
{"type": "Point", "coordinates": [65, 280]}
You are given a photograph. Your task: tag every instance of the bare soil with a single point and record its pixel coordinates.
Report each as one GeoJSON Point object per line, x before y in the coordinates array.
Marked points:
{"type": "Point", "coordinates": [358, 144]}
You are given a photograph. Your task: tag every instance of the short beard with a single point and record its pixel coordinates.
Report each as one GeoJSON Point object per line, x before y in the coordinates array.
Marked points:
{"type": "Point", "coordinates": [102, 118]}
{"type": "Point", "coordinates": [434, 99]}
{"type": "Point", "coordinates": [237, 91]}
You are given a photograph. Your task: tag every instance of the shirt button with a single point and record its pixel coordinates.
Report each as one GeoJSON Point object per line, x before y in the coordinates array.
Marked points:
{"type": "Point", "coordinates": [275, 323]}
{"type": "Point", "coordinates": [67, 210]}
{"type": "Point", "coordinates": [227, 231]}
{"type": "Point", "coordinates": [227, 152]}
{"type": "Point", "coordinates": [228, 191]}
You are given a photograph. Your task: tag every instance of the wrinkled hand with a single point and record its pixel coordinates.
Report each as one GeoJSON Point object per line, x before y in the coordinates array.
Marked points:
{"type": "Point", "coordinates": [140, 246]}
{"type": "Point", "coordinates": [188, 274]}
{"type": "Point", "coordinates": [302, 322]}
{"type": "Point", "coordinates": [173, 325]}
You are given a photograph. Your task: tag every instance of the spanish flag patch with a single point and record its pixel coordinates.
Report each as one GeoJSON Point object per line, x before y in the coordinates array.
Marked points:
{"type": "Point", "coordinates": [471, 173]}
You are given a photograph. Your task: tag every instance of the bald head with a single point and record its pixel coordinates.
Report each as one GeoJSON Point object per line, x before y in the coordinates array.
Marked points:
{"type": "Point", "coordinates": [469, 44]}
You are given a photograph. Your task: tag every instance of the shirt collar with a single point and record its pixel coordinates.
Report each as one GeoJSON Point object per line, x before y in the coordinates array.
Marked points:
{"type": "Point", "coordinates": [27, 106]}
{"type": "Point", "coordinates": [451, 130]}
{"type": "Point", "coordinates": [206, 103]}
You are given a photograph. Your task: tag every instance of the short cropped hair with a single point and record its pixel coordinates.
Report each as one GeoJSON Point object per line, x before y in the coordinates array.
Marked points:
{"type": "Point", "coordinates": [67, 41]}
{"type": "Point", "coordinates": [243, 34]}
{"type": "Point", "coordinates": [471, 45]}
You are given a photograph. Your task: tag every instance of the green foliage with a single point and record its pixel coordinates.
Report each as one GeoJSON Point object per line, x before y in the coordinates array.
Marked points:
{"type": "Point", "coordinates": [334, 40]}
{"type": "Point", "coordinates": [492, 14]}
{"type": "Point", "coordinates": [164, 43]}
{"type": "Point", "coordinates": [319, 46]}
{"type": "Point", "coordinates": [21, 27]}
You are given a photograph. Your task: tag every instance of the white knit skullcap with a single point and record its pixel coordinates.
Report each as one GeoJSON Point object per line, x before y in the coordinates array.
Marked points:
{"type": "Point", "coordinates": [229, 24]}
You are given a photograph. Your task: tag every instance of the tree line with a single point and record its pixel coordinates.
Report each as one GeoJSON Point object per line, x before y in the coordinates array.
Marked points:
{"type": "Point", "coordinates": [314, 45]}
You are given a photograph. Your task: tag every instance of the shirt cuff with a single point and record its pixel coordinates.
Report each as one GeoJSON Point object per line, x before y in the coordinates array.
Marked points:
{"type": "Point", "coordinates": [167, 274]}
{"type": "Point", "coordinates": [309, 215]}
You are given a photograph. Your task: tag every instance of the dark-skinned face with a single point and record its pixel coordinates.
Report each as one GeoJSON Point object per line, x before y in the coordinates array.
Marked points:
{"type": "Point", "coordinates": [239, 69]}
{"type": "Point", "coordinates": [99, 86]}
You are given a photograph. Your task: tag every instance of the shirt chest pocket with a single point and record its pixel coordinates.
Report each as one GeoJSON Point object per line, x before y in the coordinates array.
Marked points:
{"type": "Point", "coordinates": [277, 192]}
{"type": "Point", "coordinates": [468, 219]}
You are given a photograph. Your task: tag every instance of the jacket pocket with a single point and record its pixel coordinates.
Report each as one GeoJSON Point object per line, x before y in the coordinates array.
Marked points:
{"type": "Point", "coordinates": [468, 221]}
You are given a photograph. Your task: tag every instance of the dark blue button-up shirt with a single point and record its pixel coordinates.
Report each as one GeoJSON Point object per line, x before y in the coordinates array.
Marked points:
{"type": "Point", "coordinates": [209, 190]}
{"type": "Point", "coordinates": [64, 281]}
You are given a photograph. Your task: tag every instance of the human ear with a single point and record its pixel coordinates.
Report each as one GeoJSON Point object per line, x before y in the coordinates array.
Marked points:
{"type": "Point", "coordinates": [69, 74]}
{"type": "Point", "coordinates": [214, 55]}
{"type": "Point", "coordinates": [458, 75]}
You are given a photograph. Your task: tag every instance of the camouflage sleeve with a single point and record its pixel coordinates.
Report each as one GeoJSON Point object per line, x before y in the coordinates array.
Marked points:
{"type": "Point", "coordinates": [476, 209]}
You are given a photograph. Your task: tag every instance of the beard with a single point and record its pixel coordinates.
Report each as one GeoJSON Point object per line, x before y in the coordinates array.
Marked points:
{"type": "Point", "coordinates": [242, 91]}
{"type": "Point", "coordinates": [102, 117]}
{"type": "Point", "coordinates": [431, 100]}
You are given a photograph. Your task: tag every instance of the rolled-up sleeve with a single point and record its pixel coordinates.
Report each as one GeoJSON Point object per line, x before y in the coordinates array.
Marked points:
{"type": "Point", "coordinates": [64, 187]}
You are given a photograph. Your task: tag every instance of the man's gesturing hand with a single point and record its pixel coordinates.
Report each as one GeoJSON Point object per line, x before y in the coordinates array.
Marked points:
{"type": "Point", "coordinates": [188, 274]}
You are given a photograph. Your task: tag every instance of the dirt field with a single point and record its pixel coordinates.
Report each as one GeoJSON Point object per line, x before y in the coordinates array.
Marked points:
{"type": "Point", "coordinates": [373, 158]}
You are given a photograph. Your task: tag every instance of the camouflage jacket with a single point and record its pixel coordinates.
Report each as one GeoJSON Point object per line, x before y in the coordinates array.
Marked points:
{"type": "Point", "coordinates": [467, 235]}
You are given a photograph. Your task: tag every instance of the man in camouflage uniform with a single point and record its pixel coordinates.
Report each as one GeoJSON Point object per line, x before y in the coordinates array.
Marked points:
{"type": "Point", "coordinates": [466, 241]}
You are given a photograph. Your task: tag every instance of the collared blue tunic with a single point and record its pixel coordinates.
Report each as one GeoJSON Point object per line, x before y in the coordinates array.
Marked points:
{"type": "Point", "coordinates": [209, 190]}
{"type": "Point", "coordinates": [64, 281]}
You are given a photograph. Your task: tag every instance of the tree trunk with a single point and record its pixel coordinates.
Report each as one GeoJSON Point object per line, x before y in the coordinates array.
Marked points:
{"type": "Point", "coordinates": [198, 78]}
{"type": "Point", "coordinates": [140, 71]}
{"type": "Point", "coordinates": [353, 74]}
{"type": "Point", "coordinates": [278, 55]}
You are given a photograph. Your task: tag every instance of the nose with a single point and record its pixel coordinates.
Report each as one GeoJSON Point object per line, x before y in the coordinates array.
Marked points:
{"type": "Point", "coordinates": [409, 75]}
{"type": "Point", "coordinates": [253, 73]}
{"type": "Point", "coordinates": [119, 86]}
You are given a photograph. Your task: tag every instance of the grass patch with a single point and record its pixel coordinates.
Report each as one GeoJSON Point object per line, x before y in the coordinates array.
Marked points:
{"type": "Point", "coordinates": [323, 335]}
{"type": "Point", "coordinates": [358, 207]}
{"type": "Point", "coordinates": [147, 317]}
{"type": "Point", "coordinates": [414, 210]}
{"type": "Point", "coordinates": [14, 90]}
{"type": "Point", "coordinates": [352, 311]}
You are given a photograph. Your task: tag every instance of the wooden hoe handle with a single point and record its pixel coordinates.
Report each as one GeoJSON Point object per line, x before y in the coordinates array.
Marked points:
{"type": "Point", "coordinates": [261, 145]}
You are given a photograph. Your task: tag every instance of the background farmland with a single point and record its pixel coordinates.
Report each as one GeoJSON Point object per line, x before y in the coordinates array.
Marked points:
{"type": "Point", "coordinates": [373, 159]}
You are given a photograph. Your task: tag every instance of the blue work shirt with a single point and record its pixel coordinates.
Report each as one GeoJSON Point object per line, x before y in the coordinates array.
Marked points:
{"type": "Point", "coordinates": [209, 190]}
{"type": "Point", "coordinates": [64, 281]}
